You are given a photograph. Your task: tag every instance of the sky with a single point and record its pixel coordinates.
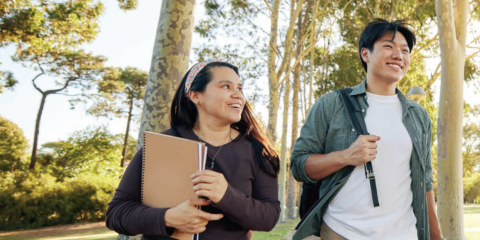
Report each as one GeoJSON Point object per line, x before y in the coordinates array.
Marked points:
{"type": "Point", "coordinates": [126, 39]}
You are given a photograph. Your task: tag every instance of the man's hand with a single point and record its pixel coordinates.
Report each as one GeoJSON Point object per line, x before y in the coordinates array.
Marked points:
{"type": "Point", "coordinates": [363, 150]}
{"type": "Point", "coordinates": [187, 218]}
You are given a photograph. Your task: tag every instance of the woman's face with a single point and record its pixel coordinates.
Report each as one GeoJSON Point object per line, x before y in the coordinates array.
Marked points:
{"type": "Point", "coordinates": [222, 101]}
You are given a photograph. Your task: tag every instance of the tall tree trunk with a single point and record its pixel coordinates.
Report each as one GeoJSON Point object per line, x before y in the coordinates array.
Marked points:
{"type": "Point", "coordinates": [171, 53]}
{"type": "Point", "coordinates": [272, 74]}
{"type": "Point", "coordinates": [312, 56]}
{"type": "Point", "coordinates": [452, 27]}
{"type": "Point", "coordinates": [125, 141]}
{"type": "Point", "coordinates": [283, 150]}
{"type": "Point", "coordinates": [292, 184]}
{"type": "Point", "coordinates": [170, 58]}
{"type": "Point", "coordinates": [33, 159]}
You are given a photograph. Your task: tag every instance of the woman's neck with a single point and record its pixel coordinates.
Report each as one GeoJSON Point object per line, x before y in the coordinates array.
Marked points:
{"type": "Point", "coordinates": [215, 135]}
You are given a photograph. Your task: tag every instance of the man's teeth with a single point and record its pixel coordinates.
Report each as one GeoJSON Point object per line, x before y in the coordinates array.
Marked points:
{"type": "Point", "coordinates": [395, 66]}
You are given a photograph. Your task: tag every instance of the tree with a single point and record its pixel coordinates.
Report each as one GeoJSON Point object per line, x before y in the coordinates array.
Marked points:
{"type": "Point", "coordinates": [170, 58]}
{"type": "Point", "coordinates": [13, 146]}
{"type": "Point", "coordinates": [92, 151]}
{"type": "Point", "coordinates": [452, 29]}
{"type": "Point", "coordinates": [72, 69]}
{"type": "Point", "coordinates": [121, 93]}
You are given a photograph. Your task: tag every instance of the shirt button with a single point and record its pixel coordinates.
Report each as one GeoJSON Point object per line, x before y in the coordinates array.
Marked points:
{"type": "Point", "coordinates": [353, 129]}
{"type": "Point", "coordinates": [363, 110]}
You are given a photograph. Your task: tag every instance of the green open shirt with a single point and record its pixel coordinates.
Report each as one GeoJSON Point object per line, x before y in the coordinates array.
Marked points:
{"type": "Point", "coordinates": [327, 129]}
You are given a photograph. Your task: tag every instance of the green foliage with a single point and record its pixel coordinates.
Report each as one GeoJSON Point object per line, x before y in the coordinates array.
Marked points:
{"type": "Point", "coordinates": [471, 188]}
{"type": "Point", "coordinates": [7, 81]}
{"type": "Point", "coordinates": [46, 24]}
{"type": "Point", "coordinates": [118, 88]}
{"type": "Point", "coordinates": [127, 4]}
{"type": "Point", "coordinates": [13, 147]}
{"type": "Point", "coordinates": [93, 151]}
{"type": "Point", "coordinates": [33, 200]}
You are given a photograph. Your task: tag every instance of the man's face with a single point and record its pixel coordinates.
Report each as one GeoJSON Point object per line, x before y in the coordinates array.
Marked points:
{"type": "Point", "coordinates": [389, 60]}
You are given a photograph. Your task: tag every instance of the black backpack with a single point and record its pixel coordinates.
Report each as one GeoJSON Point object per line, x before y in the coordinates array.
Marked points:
{"type": "Point", "coordinates": [311, 191]}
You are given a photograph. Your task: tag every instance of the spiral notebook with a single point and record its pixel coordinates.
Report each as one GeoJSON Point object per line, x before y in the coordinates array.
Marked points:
{"type": "Point", "coordinates": [168, 163]}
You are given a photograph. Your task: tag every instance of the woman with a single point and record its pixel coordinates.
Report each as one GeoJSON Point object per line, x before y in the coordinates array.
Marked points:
{"type": "Point", "coordinates": [241, 182]}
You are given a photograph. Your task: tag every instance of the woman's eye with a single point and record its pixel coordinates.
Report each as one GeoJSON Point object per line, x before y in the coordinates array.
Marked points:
{"type": "Point", "coordinates": [240, 89]}
{"type": "Point", "coordinates": [226, 87]}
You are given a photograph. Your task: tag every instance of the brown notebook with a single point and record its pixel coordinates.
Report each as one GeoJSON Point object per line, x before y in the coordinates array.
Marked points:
{"type": "Point", "coordinates": [168, 163]}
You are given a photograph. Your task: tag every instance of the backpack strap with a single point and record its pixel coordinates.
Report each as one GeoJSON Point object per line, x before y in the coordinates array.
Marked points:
{"type": "Point", "coordinates": [358, 123]}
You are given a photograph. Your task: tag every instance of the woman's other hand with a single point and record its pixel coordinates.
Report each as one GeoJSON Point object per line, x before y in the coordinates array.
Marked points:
{"type": "Point", "coordinates": [209, 184]}
{"type": "Point", "coordinates": [186, 217]}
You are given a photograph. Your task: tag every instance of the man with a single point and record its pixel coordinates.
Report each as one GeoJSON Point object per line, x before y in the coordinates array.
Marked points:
{"type": "Point", "coordinates": [398, 148]}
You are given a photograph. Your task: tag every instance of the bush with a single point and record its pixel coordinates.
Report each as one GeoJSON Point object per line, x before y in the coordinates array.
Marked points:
{"type": "Point", "coordinates": [471, 188]}
{"type": "Point", "coordinates": [37, 200]}
{"type": "Point", "coordinates": [13, 147]}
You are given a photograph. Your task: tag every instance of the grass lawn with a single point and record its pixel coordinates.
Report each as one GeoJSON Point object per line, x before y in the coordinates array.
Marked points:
{"type": "Point", "coordinates": [279, 232]}
{"type": "Point", "coordinates": [98, 231]}
{"type": "Point", "coordinates": [471, 219]}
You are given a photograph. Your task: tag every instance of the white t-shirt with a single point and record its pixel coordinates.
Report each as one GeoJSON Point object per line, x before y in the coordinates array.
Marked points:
{"type": "Point", "coordinates": [351, 213]}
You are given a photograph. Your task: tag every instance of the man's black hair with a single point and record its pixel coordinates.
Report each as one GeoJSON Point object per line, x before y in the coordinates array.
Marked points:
{"type": "Point", "coordinates": [377, 28]}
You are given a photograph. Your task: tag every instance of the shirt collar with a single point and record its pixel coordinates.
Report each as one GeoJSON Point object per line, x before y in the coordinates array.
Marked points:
{"type": "Point", "coordinates": [360, 89]}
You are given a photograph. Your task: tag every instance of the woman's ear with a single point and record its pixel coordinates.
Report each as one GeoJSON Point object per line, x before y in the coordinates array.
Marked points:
{"type": "Point", "coordinates": [195, 97]}
{"type": "Point", "coordinates": [365, 55]}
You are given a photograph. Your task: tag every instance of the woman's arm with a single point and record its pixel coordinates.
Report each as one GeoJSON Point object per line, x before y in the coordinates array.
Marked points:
{"type": "Point", "coordinates": [259, 212]}
{"type": "Point", "coordinates": [126, 214]}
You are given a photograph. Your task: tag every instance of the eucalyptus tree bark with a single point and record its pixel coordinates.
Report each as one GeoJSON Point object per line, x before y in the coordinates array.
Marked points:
{"type": "Point", "coordinates": [452, 27]}
{"type": "Point", "coordinates": [283, 150]}
{"type": "Point", "coordinates": [170, 58]}
{"type": "Point", "coordinates": [272, 74]}
{"type": "Point", "coordinates": [292, 184]}
{"type": "Point", "coordinates": [312, 57]}
{"type": "Point", "coordinates": [171, 53]}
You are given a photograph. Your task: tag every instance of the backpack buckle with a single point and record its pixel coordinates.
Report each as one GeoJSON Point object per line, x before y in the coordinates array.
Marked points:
{"type": "Point", "coordinates": [370, 175]}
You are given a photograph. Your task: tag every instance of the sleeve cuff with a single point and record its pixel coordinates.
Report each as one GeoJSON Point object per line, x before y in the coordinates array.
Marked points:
{"type": "Point", "coordinates": [224, 201]}
{"type": "Point", "coordinates": [164, 230]}
{"type": "Point", "coordinates": [429, 184]}
{"type": "Point", "coordinates": [301, 171]}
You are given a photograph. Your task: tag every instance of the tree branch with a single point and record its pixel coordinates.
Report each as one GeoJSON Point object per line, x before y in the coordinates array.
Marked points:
{"type": "Point", "coordinates": [269, 7]}
{"type": "Point", "coordinates": [434, 77]}
{"type": "Point", "coordinates": [346, 5]}
{"type": "Point", "coordinates": [54, 91]}
{"type": "Point", "coordinates": [297, 61]}
{"type": "Point", "coordinates": [424, 46]}
{"type": "Point", "coordinates": [289, 37]}
{"type": "Point", "coordinates": [472, 55]}
{"type": "Point", "coordinates": [35, 78]}
{"type": "Point", "coordinates": [460, 19]}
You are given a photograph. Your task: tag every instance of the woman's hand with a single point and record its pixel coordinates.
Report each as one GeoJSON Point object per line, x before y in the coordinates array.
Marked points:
{"type": "Point", "coordinates": [209, 184]}
{"type": "Point", "coordinates": [186, 217]}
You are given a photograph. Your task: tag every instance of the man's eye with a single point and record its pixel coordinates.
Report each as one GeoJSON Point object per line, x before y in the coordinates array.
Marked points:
{"type": "Point", "coordinates": [226, 87]}
{"type": "Point", "coordinates": [388, 46]}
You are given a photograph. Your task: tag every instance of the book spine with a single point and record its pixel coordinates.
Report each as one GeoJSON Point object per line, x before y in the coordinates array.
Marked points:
{"type": "Point", "coordinates": [143, 167]}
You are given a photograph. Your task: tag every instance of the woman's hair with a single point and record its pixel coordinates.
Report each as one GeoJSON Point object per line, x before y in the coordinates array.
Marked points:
{"type": "Point", "coordinates": [183, 113]}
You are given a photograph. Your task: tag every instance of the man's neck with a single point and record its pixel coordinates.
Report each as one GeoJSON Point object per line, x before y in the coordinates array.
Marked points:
{"type": "Point", "coordinates": [379, 86]}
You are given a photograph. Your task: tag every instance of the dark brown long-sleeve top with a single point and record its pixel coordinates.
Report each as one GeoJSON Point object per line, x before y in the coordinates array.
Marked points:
{"type": "Point", "coordinates": [250, 202]}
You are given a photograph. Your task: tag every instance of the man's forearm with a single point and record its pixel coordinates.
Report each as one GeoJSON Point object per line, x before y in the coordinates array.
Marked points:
{"type": "Point", "coordinates": [319, 166]}
{"type": "Point", "coordinates": [435, 231]}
